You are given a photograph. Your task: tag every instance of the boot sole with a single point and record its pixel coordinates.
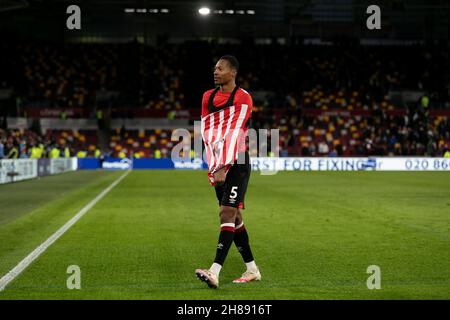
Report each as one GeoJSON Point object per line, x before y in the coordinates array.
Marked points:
{"type": "Point", "coordinates": [204, 278]}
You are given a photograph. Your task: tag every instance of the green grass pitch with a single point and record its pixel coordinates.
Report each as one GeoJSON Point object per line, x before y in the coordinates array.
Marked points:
{"type": "Point", "coordinates": [313, 235]}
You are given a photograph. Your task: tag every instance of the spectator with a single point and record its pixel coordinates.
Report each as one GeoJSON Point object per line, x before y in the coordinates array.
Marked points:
{"type": "Point", "coordinates": [2, 148]}
{"type": "Point", "coordinates": [12, 151]}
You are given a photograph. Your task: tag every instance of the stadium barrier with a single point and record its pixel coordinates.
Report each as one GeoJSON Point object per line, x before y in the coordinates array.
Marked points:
{"type": "Point", "coordinates": [55, 166]}
{"type": "Point", "coordinates": [13, 170]}
{"type": "Point", "coordinates": [352, 164]}
{"type": "Point", "coordinates": [274, 164]}
{"type": "Point", "coordinates": [123, 164]}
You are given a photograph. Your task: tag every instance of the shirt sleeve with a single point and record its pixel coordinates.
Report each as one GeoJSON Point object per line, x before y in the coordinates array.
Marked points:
{"type": "Point", "coordinates": [205, 101]}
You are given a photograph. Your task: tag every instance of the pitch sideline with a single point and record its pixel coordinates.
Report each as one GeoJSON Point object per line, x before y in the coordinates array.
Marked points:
{"type": "Point", "coordinates": [22, 265]}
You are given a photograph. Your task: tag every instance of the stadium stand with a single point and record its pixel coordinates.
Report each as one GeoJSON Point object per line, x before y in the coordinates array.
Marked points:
{"type": "Point", "coordinates": [343, 99]}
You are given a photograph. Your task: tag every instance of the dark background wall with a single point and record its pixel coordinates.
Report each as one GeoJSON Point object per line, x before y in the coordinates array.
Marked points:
{"type": "Point", "coordinates": [106, 21]}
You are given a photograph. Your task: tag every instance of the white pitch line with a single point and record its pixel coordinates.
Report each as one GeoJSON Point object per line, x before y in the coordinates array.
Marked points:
{"type": "Point", "coordinates": [11, 275]}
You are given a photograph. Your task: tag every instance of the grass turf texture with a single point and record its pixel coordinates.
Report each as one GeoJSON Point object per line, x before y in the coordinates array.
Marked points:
{"type": "Point", "coordinates": [313, 235]}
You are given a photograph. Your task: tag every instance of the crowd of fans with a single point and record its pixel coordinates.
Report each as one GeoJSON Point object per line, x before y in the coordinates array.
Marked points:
{"type": "Point", "coordinates": [171, 76]}
{"type": "Point", "coordinates": [352, 79]}
{"type": "Point", "coordinates": [16, 144]}
{"type": "Point", "coordinates": [82, 75]}
{"type": "Point", "coordinates": [378, 133]}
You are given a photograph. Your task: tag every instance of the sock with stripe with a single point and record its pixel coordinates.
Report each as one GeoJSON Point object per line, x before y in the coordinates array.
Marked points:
{"type": "Point", "coordinates": [242, 243]}
{"type": "Point", "coordinates": [225, 240]}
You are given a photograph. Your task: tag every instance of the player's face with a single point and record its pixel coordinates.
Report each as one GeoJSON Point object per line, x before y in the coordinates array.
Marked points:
{"type": "Point", "coordinates": [223, 73]}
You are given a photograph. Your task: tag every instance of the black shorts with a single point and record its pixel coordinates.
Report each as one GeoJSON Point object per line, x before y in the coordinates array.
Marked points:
{"type": "Point", "coordinates": [232, 192]}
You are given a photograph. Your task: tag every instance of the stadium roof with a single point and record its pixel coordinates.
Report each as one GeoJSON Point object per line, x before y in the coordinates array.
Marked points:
{"type": "Point", "coordinates": [265, 18]}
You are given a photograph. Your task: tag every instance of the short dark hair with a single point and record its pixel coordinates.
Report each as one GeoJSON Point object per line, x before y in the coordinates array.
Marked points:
{"type": "Point", "coordinates": [234, 63]}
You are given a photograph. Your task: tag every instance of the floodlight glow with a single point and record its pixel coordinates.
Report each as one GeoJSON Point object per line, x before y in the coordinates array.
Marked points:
{"type": "Point", "coordinates": [129, 10]}
{"type": "Point", "coordinates": [164, 10]}
{"type": "Point", "coordinates": [141, 10]}
{"type": "Point", "coordinates": [250, 11]}
{"type": "Point", "coordinates": [204, 11]}
{"type": "Point", "coordinates": [229, 11]}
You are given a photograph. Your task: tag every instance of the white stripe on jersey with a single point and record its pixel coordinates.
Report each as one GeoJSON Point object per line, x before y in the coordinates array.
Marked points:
{"type": "Point", "coordinates": [219, 130]}
{"type": "Point", "coordinates": [202, 130]}
{"type": "Point", "coordinates": [230, 224]}
{"type": "Point", "coordinates": [218, 136]}
{"type": "Point", "coordinates": [230, 120]}
{"type": "Point", "coordinates": [235, 133]}
{"type": "Point", "coordinates": [210, 146]}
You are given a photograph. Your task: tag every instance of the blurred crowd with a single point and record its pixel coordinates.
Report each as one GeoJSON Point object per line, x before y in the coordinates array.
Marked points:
{"type": "Point", "coordinates": [295, 79]}
{"type": "Point", "coordinates": [84, 75]}
{"type": "Point", "coordinates": [17, 143]}
{"type": "Point", "coordinates": [377, 133]}
{"type": "Point", "coordinates": [170, 76]}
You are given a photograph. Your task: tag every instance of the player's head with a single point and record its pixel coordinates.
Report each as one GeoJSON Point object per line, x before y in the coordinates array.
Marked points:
{"type": "Point", "coordinates": [225, 70]}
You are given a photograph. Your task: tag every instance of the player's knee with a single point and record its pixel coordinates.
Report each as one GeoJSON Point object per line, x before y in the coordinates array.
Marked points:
{"type": "Point", "coordinates": [228, 214]}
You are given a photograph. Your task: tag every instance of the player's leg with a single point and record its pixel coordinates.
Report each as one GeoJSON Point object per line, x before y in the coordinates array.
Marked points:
{"type": "Point", "coordinates": [227, 214]}
{"type": "Point", "coordinates": [242, 243]}
{"type": "Point", "coordinates": [241, 238]}
{"type": "Point", "coordinates": [229, 200]}
{"type": "Point", "coordinates": [227, 218]}
{"type": "Point", "coordinates": [226, 236]}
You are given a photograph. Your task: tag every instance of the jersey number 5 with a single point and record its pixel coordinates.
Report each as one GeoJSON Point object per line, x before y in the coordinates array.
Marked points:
{"type": "Point", "coordinates": [233, 193]}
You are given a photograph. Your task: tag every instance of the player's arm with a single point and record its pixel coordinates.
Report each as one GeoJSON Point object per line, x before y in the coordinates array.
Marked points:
{"type": "Point", "coordinates": [220, 175]}
{"type": "Point", "coordinates": [204, 104]}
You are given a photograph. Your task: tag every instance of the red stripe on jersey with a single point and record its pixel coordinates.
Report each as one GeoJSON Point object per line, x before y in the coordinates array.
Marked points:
{"type": "Point", "coordinates": [227, 229]}
{"type": "Point", "coordinates": [237, 231]}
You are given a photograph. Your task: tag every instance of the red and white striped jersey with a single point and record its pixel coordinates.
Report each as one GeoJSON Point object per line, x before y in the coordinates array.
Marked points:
{"type": "Point", "coordinates": [224, 125]}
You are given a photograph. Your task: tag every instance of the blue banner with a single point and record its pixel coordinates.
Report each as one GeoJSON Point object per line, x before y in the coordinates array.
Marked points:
{"type": "Point", "coordinates": [88, 163]}
{"type": "Point", "coordinates": [143, 163]}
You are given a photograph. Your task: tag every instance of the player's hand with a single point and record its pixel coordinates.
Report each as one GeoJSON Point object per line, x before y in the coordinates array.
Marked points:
{"type": "Point", "coordinates": [219, 176]}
